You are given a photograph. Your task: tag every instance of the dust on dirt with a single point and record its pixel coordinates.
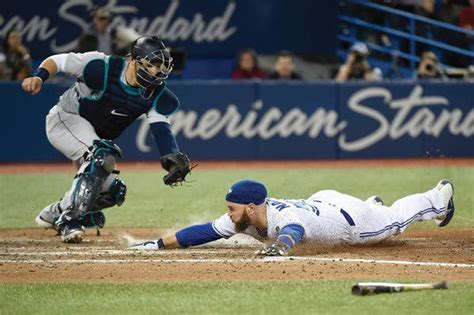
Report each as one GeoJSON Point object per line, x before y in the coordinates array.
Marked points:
{"type": "Point", "coordinates": [37, 255]}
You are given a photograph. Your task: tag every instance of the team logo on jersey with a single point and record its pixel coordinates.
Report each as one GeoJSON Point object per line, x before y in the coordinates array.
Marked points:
{"type": "Point", "coordinates": [114, 112]}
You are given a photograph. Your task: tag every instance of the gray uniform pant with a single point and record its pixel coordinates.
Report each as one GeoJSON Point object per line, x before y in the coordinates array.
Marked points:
{"type": "Point", "coordinates": [69, 133]}
{"type": "Point", "coordinates": [72, 135]}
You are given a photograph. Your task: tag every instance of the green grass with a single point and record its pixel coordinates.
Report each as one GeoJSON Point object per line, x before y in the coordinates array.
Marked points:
{"type": "Point", "coordinates": [249, 297]}
{"type": "Point", "coordinates": [151, 204]}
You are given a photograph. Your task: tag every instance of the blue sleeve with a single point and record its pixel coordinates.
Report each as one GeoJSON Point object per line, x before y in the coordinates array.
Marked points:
{"type": "Point", "coordinates": [164, 138]}
{"type": "Point", "coordinates": [94, 74]}
{"type": "Point", "coordinates": [167, 104]}
{"type": "Point", "coordinates": [291, 234]}
{"type": "Point", "coordinates": [197, 235]}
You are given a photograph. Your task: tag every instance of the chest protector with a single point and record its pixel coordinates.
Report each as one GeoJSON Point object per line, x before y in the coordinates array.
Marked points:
{"type": "Point", "coordinates": [113, 106]}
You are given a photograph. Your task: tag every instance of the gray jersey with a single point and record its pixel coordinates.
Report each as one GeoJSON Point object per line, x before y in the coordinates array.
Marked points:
{"type": "Point", "coordinates": [73, 64]}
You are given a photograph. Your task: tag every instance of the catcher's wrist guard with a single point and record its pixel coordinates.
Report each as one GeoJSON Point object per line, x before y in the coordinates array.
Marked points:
{"type": "Point", "coordinates": [178, 166]}
{"type": "Point", "coordinates": [41, 73]}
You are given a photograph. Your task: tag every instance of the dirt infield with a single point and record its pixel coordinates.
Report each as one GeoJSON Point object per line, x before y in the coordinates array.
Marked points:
{"type": "Point", "coordinates": [13, 168]}
{"type": "Point", "coordinates": [36, 255]}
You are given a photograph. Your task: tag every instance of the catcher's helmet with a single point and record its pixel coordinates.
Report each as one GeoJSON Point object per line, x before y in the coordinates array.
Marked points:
{"type": "Point", "coordinates": [154, 63]}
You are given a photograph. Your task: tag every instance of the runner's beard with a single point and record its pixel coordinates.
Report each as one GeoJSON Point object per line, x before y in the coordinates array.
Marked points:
{"type": "Point", "coordinates": [243, 223]}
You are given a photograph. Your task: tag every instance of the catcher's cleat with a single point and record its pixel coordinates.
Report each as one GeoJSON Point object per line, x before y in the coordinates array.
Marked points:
{"type": "Point", "coordinates": [148, 245]}
{"type": "Point", "coordinates": [49, 215]}
{"type": "Point", "coordinates": [447, 190]}
{"type": "Point", "coordinates": [71, 232]}
{"type": "Point", "coordinates": [375, 200]}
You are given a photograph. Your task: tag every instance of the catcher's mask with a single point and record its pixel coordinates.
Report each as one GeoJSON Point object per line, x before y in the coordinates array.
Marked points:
{"type": "Point", "coordinates": [153, 63]}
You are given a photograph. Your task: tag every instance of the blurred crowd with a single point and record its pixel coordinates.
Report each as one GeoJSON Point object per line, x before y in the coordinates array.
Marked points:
{"type": "Point", "coordinates": [455, 12]}
{"type": "Point", "coordinates": [246, 67]}
{"type": "Point", "coordinates": [16, 61]}
{"type": "Point", "coordinates": [355, 67]}
{"type": "Point", "coordinates": [449, 11]}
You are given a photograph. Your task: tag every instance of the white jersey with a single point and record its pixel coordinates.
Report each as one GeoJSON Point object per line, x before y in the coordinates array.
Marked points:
{"type": "Point", "coordinates": [73, 64]}
{"type": "Point", "coordinates": [321, 221]}
{"type": "Point", "coordinates": [330, 217]}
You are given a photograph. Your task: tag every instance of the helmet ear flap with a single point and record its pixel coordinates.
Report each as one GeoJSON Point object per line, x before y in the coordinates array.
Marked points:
{"type": "Point", "coordinates": [133, 53]}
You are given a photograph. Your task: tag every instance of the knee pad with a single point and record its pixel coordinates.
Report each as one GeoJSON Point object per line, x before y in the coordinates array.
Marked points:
{"type": "Point", "coordinates": [94, 219]}
{"type": "Point", "coordinates": [101, 157]}
{"type": "Point", "coordinates": [112, 194]}
{"type": "Point", "coordinates": [87, 184]}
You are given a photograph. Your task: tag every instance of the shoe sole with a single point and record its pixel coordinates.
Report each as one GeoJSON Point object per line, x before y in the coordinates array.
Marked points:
{"type": "Point", "coordinates": [375, 200]}
{"type": "Point", "coordinates": [450, 209]}
{"type": "Point", "coordinates": [378, 200]}
{"type": "Point", "coordinates": [73, 237]}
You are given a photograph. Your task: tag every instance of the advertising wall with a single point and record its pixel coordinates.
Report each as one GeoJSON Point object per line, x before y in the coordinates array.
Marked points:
{"type": "Point", "coordinates": [224, 120]}
{"type": "Point", "coordinates": [208, 28]}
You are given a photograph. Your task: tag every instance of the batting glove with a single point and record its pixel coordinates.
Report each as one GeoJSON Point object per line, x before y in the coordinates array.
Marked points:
{"type": "Point", "coordinates": [276, 249]}
{"type": "Point", "coordinates": [148, 245]}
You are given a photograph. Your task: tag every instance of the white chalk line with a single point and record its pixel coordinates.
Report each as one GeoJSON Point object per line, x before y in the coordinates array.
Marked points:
{"type": "Point", "coordinates": [239, 260]}
{"type": "Point", "coordinates": [71, 248]}
{"type": "Point", "coordinates": [115, 252]}
{"type": "Point", "coordinates": [20, 239]}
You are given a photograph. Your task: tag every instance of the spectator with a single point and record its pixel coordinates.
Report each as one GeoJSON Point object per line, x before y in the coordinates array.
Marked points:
{"type": "Point", "coordinates": [465, 41]}
{"type": "Point", "coordinates": [284, 67]}
{"type": "Point", "coordinates": [466, 17]}
{"type": "Point", "coordinates": [447, 11]}
{"type": "Point", "coordinates": [429, 68]}
{"type": "Point", "coordinates": [102, 37]}
{"type": "Point", "coordinates": [247, 66]}
{"type": "Point", "coordinates": [15, 59]}
{"type": "Point", "coordinates": [426, 8]}
{"type": "Point", "coordinates": [393, 72]}
{"type": "Point", "coordinates": [357, 66]}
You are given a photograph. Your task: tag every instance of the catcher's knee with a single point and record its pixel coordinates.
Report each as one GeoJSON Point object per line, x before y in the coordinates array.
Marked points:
{"type": "Point", "coordinates": [100, 159]}
{"type": "Point", "coordinates": [103, 156]}
{"type": "Point", "coordinates": [113, 193]}
{"type": "Point", "coordinates": [87, 186]}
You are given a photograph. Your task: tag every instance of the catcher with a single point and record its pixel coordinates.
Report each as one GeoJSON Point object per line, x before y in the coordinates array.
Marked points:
{"type": "Point", "coordinates": [327, 217]}
{"type": "Point", "coordinates": [109, 95]}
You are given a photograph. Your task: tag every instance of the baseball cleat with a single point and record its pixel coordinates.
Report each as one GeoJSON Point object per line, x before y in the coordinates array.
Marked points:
{"type": "Point", "coordinates": [71, 232]}
{"type": "Point", "coordinates": [48, 216]}
{"type": "Point", "coordinates": [148, 245]}
{"type": "Point", "coordinates": [375, 200]}
{"type": "Point", "coordinates": [447, 189]}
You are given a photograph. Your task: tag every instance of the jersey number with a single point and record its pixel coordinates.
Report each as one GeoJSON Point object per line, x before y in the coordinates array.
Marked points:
{"type": "Point", "coordinates": [299, 203]}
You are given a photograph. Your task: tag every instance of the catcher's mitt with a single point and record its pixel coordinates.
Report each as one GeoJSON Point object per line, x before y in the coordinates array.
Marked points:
{"type": "Point", "coordinates": [178, 166]}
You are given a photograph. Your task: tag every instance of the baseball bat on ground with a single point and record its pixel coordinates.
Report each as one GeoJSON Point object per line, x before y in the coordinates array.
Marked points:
{"type": "Point", "coordinates": [366, 288]}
